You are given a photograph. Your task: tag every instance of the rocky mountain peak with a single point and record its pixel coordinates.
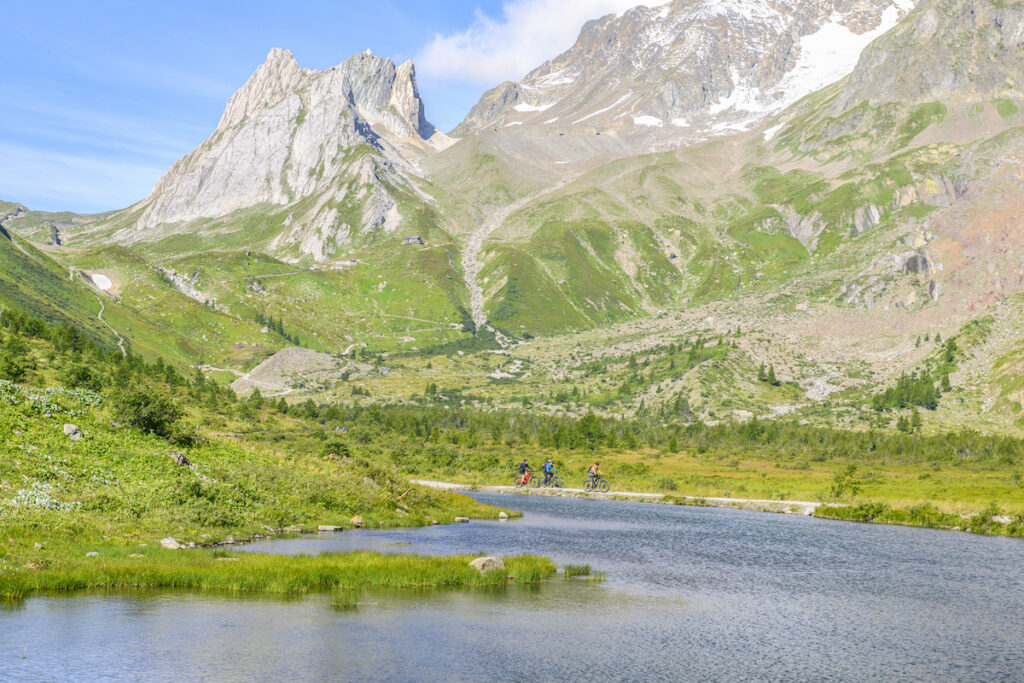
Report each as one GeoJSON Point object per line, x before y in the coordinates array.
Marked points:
{"type": "Point", "coordinates": [671, 75]}
{"type": "Point", "coordinates": [272, 81]}
{"type": "Point", "coordinates": [291, 133]}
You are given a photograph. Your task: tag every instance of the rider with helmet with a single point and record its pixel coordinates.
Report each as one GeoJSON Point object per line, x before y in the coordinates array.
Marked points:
{"type": "Point", "coordinates": [524, 471]}
{"type": "Point", "coordinates": [549, 471]}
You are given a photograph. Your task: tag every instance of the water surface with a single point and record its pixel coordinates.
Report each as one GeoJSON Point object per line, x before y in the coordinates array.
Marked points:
{"type": "Point", "coordinates": [692, 594]}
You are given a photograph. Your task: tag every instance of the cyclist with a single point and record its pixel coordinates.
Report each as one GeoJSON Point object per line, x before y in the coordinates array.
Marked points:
{"type": "Point", "coordinates": [595, 474]}
{"type": "Point", "coordinates": [549, 471]}
{"type": "Point", "coordinates": [524, 471]}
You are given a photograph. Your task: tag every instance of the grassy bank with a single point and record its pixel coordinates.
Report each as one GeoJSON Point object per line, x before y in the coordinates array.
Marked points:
{"type": "Point", "coordinates": [991, 521]}
{"type": "Point", "coordinates": [69, 568]}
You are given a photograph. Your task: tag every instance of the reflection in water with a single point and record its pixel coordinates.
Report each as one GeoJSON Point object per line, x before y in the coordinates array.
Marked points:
{"type": "Point", "coordinates": [691, 594]}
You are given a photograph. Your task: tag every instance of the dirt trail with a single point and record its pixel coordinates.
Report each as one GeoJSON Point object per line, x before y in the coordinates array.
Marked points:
{"type": "Point", "coordinates": [99, 316]}
{"type": "Point", "coordinates": [795, 507]}
{"type": "Point", "coordinates": [474, 243]}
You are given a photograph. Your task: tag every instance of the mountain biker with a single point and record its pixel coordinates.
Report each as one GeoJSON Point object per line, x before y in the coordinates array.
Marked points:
{"type": "Point", "coordinates": [549, 471]}
{"type": "Point", "coordinates": [595, 474]}
{"type": "Point", "coordinates": [524, 471]}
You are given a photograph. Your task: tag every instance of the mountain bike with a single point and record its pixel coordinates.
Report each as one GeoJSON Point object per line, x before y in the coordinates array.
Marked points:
{"type": "Point", "coordinates": [599, 484]}
{"type": "Point", "coordinates": [554, 483]}
{"type": "Point", "coordinates": [526, 480]}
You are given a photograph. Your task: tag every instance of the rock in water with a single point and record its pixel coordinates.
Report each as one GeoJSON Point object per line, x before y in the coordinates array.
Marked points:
{"type": "Point", "coordinates": [487, 564]}
{"type": "Point", "coordinates": [357, 521]}
{"type": "Point", "coordinates": [462, 520]}
{"type": "Point", "coordinates": [170, 543]}
{"type": "Point", "coordinates": [502, 516]}
{"type": "Point", "coordinates": [73, 432]}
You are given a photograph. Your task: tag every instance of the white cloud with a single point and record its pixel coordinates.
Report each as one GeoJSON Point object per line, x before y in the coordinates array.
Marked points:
{"type": "Point", "coordinates": [528, 33]}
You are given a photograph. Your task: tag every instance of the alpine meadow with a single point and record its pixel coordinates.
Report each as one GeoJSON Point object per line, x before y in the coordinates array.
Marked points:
{"type": "Point", "coordinates": [342, 367]}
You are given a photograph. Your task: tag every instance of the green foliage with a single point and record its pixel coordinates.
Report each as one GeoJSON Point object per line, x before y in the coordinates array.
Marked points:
{"type": "Point", "coordinates": [917, 389]}
{"type": "Point", "coordinates": [926, 515]}
{"type": "Point", "coordinates": [147, 411]}
{"type": "Point", "coordinates": [115, 568]}
{"type": "Point", "coordinates": [571, 570]}
{"type": "Point", "coordinates": [844, 484]}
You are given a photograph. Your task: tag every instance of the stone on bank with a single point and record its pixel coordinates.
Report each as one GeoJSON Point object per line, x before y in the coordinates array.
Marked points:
{"type": "Point", "coordinates": [487, 564]}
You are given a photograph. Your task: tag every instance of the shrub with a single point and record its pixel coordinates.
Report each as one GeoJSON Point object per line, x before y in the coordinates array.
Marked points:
{"type": "Point", "coordinates": [81, 376]}
{"type": "Point", "coordinates": [148, 411]}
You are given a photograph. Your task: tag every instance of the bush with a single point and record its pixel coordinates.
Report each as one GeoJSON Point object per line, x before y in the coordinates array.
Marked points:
{"type": "Point", "coordinates": [667, 484]}
{"type": "Point", "coordinates": [81, 376]}
{"type": "Point", "coordinates": [148, 412]}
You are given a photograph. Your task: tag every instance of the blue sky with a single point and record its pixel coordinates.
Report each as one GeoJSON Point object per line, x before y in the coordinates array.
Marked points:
{"type": "Point", "coordinates": [101, 97]}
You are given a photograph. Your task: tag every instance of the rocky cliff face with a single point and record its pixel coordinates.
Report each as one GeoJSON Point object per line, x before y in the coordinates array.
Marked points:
{"type": "Point", "coordinates": [686, 71]}
{"type": "Point", "coordinates": [338, 136]}
{"type": "Point", "coordinates": [971, 48]}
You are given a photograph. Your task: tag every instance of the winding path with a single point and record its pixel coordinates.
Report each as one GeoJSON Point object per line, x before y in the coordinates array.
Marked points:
{"type": "Point", "coordinates": [99, 316]}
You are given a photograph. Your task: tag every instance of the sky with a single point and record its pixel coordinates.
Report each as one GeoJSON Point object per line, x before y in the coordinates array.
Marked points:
{"type": "Point", "coordinates": [101, 97]}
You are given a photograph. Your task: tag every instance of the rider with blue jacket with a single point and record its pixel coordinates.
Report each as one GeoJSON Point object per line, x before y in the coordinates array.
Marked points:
{"type": "Point", "coordinates": [549, 471]}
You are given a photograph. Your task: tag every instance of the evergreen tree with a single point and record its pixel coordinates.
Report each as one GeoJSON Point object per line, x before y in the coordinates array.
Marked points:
{"type": "Point", "coordinates": [255, 399]}
{"type": "Point", "coordinates": [903, 424]}
{"type": "Point", "coordinates": [772, 380]}
{"type": "Point", "coordinates": [590, 431]}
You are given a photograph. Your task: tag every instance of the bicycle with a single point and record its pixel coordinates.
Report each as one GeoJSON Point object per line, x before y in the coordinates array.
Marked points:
{"type": "Point", "coordinates": [555, 482]}
{"type": "Point", "coordinates": [599, 484]}
{"type": "Point", "coordinates": [525, 480]}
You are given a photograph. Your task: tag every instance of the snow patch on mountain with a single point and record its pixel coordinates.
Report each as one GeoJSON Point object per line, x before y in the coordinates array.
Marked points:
{"type": "Point", "coordinates": [648, 121]}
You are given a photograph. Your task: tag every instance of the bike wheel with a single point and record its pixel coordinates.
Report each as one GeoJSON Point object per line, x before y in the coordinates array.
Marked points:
{"type": "Point", "coordinates": [603, 486]}
{"type": "Point", "coordinates": [535, 482]}
{"type": "Point", "coordinates": [556, 482]}
{"type": "Point", "coordinates": [517, 483]}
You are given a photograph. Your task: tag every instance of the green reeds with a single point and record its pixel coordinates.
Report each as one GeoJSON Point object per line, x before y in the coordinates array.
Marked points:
{"type": "Point", "coordinates": [115, 569]}
{"type": "Point", "coordinates": [571, 570]}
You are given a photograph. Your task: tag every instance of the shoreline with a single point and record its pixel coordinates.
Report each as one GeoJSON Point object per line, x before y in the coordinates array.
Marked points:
{"type": "Point", "coordinates": [986, 523]}
{"type": "Point", "coordinates": [788, 507]}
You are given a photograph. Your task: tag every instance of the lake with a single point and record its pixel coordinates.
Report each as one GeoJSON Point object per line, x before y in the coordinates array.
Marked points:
{"type": "Point", "coordinates": [691, 594]}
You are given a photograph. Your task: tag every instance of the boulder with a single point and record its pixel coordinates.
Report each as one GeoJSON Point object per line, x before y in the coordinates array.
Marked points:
{"type": "Point", "coordinates": [357, 521]}
{"type": "Point", "coordinates": [502, 516]}
{"type": "Point", "coordinates": [180, 459]}
{"type": "Point", "coordinates": [328, 528]}
{"type": "Point", "coordinates": [39, 546]}
{"type": "Point", "coordinates": [170, 543]}
{"type": "Point", "coordinates": [462, 520]}
{"type": "Point", "coordinates": [487, 564]}
{"type": "Point", "coordinates": [92, 554]}
{"type": "Point", "coordinates": [73, 432]}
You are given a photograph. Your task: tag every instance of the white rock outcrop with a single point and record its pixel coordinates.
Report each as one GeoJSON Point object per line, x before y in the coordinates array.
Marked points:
{"type": "Point", "coordinates": [339, 136]}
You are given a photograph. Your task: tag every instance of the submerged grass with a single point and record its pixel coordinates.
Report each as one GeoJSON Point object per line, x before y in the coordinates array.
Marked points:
{"type": "Point", "coordinates": [115, 568]}
{"type": "Point", "coordinates": [571, 570]}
